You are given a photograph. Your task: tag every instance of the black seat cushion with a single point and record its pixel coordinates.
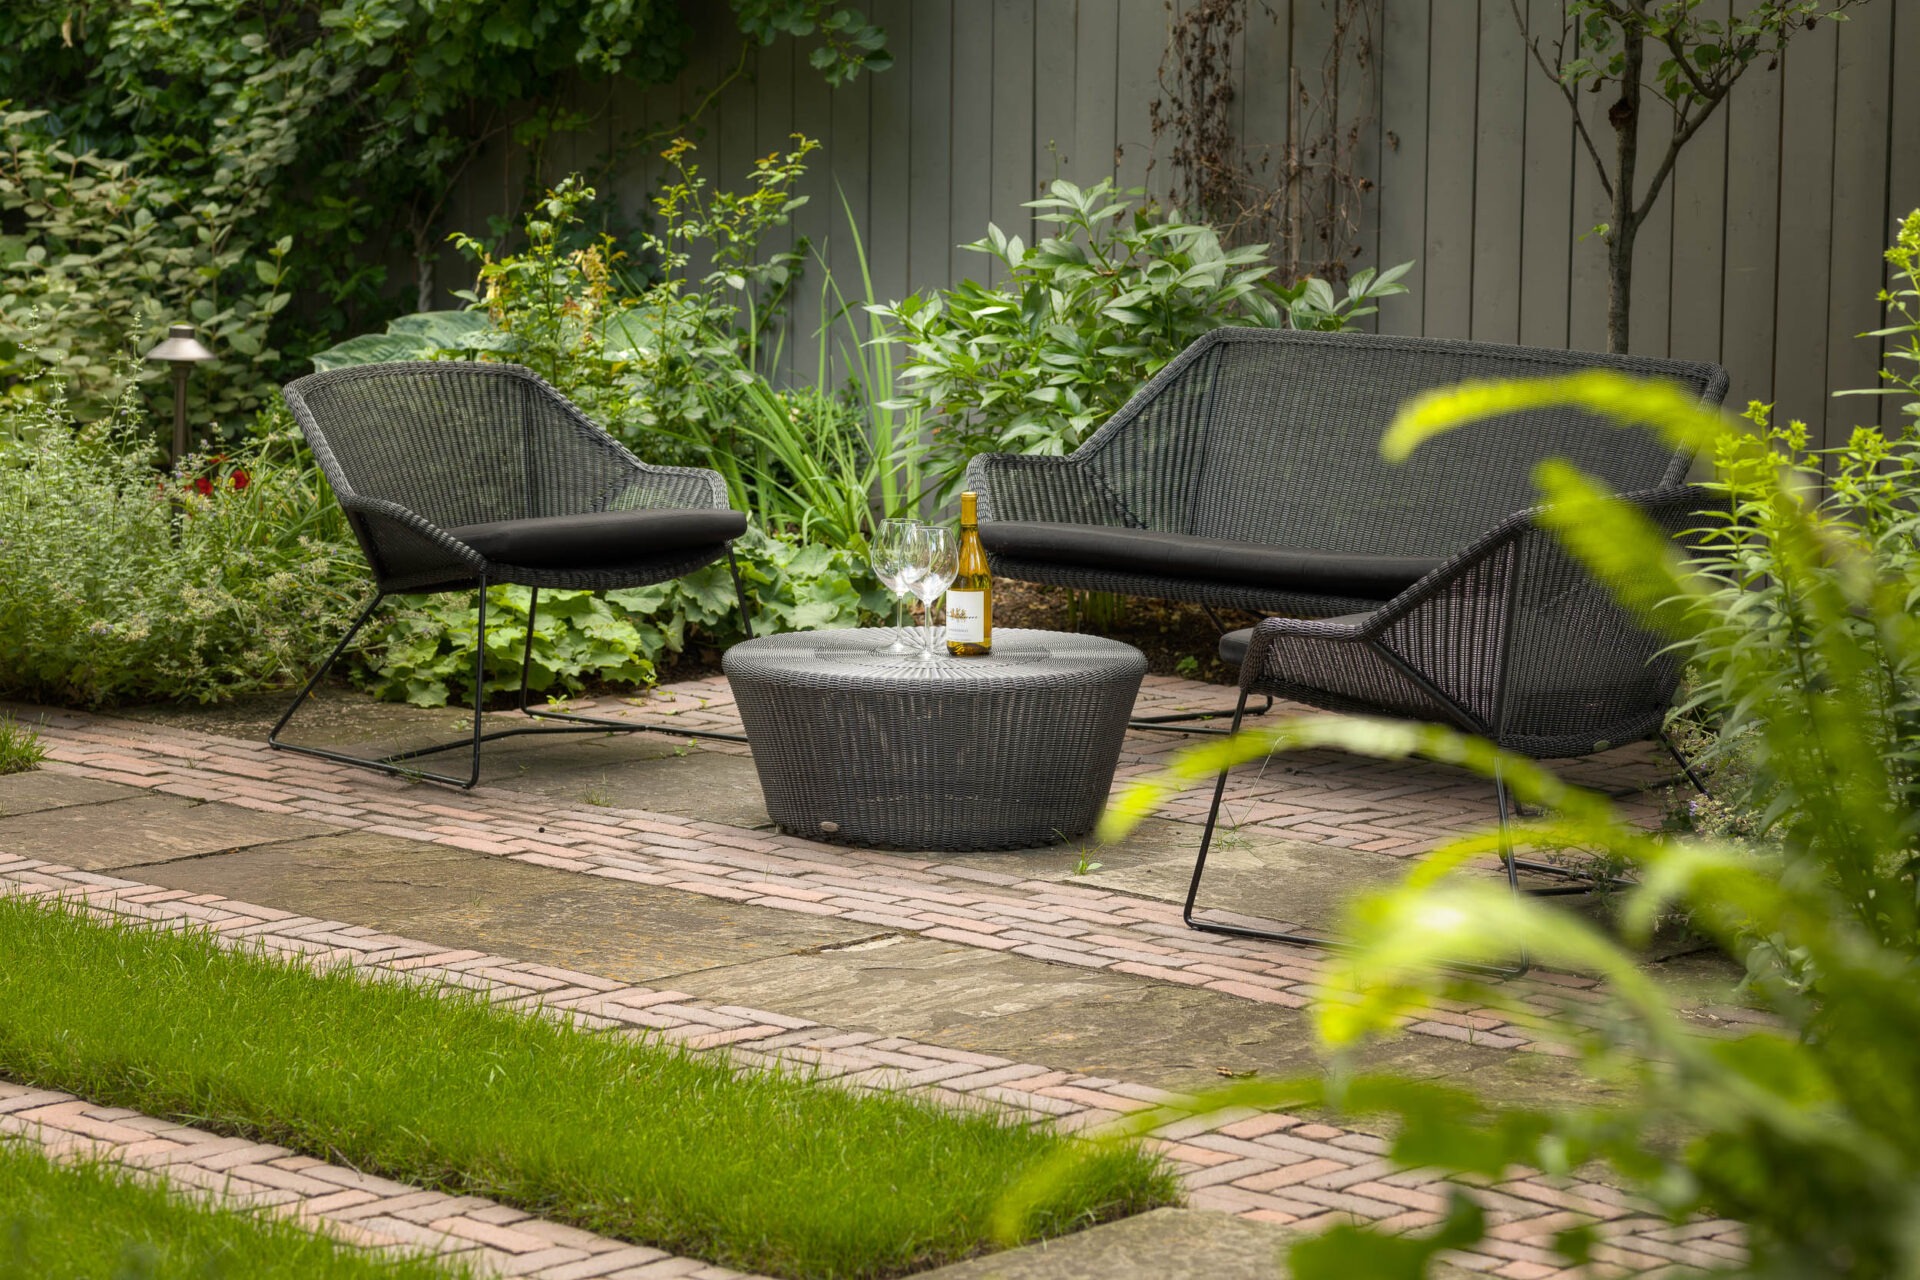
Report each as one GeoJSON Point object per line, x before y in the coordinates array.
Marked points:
{"type": "Point", "coordinates": [600, 538]}
{"type": "Point", "coordinates": [1175, 555]}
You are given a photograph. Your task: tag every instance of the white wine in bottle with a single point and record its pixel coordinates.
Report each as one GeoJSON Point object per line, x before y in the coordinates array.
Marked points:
{"type": "Point", "coordinates": [970, 598]}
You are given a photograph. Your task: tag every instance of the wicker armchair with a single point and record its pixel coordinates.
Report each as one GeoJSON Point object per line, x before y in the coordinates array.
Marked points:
{"type": "Point", "coordinates": [457, 476]}
{"type": "Point", "coordinates": [1510, 640]}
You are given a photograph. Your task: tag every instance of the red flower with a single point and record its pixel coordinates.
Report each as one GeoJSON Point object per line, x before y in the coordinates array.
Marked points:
{"type": "Point", "coordinates": [203, 486]}
{"type": "Point", "coordinates": [240, 478]}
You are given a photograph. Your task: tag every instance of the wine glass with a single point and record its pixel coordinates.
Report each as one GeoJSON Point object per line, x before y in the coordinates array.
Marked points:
{"type": "Point", "coordinates": [937, 555]}
{"type": "Point", "coordinates": [892, 557]}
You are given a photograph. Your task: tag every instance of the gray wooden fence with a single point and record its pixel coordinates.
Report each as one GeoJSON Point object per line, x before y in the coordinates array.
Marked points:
{"type": "Point", "coordinates": [1764, 253]}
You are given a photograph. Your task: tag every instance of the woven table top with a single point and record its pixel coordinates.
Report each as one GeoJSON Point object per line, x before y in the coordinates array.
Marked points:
{"type": "Point", "coordinates": [853, 658]}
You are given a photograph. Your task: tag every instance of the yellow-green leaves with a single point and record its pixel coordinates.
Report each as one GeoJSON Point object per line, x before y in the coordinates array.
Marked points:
{"type": "Point", "coordinates": [1666, 407]}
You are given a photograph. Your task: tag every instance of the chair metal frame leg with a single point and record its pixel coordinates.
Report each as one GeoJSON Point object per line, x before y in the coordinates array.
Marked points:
{"type": "Point", "coordinates": [1170, 723]}
{"type": "Point", "coordinates": [394, 763]}
{"type": "Point", "coordinates": [1513, 865]}
{"type": "Point", "coordinates": [578, 723]}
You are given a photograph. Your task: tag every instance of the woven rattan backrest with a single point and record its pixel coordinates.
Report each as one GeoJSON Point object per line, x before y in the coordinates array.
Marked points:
{"type": "Point", "coordinates": [459, 443]}
{"type": "Point", "coordinates": [1274, 437]}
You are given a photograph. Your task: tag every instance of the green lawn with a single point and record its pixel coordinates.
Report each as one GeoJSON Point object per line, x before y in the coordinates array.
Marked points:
{"type": "Point", "coordinates": [752, 1170]}
{"type": "Point", "coordinates": [93, 1222]}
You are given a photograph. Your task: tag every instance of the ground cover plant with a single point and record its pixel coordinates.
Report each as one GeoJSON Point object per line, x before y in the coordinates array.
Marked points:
{"type": "Point", "coordinates": [91, 1221]}
{"type": "Point", "coordinates": [123, 583]}
{"type": "Point", "coordinates": [763, 1172]}
{"type": "Point", "coordinates": [1796, 615]}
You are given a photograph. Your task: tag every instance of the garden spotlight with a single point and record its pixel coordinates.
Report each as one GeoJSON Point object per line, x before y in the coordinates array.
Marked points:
{"type": "Point", "coordinates": [181, 350]}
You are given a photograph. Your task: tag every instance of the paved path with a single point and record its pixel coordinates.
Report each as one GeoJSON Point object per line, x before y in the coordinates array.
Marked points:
{"type": "Point", "coordinates": [882, 970]}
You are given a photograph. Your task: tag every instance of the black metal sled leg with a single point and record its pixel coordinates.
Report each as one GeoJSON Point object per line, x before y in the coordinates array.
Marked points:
{"type": "Point", "coordinates": [392, 764]}
{"type": "Point", "coordinates": [1512, 864]}
{"type": "Point", "coordinates": [1686, 766]}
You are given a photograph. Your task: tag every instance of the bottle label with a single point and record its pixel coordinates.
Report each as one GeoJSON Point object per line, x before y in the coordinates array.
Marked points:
{"type": "Point", "coordinates": [967, 617]}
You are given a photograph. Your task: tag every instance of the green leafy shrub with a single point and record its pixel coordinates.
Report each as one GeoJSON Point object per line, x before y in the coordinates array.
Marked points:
{"type": "Point", "coordinates": [424, 654]}
{"type": "Point", "coordinates": [101, 255]}
{"type": "Point", "coordinates": [1086, 316]}
{"type": "Point", "coordinates": [124, 585]}
{"type": "Point", "coordinates": [1797, 616]}
{"type": "Point", "coordinates": [332, 132]}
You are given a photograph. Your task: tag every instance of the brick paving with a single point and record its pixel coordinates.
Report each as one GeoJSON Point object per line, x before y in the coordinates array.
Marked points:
{"type": "Point", "coordinates": [351, 1206]}
{"type": "Point", "coordinates": [949, 899]}
{"type": "Point", "coordinates": [1264, 1166]}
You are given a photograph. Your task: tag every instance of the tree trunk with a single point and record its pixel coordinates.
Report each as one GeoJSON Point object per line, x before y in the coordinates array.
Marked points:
{"type": "Point", "coordinates": [1624, 116]}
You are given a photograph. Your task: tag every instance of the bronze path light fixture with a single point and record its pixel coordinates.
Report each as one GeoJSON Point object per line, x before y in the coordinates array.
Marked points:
{"type": "Point", "coordinates": [181, 350]}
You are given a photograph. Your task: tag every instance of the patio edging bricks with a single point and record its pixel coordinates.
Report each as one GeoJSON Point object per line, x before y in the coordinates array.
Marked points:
{"type": "Point", "coordinates": [1234, 1162]}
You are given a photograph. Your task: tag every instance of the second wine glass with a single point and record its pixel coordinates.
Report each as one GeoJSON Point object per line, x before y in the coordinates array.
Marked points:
{"type": "Point", "coordinates": [937, 556]}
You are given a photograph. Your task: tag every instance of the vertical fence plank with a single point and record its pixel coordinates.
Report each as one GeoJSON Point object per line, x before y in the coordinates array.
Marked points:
{"type": "Point", "coordinates": [1054, 75]}
{"type": "Point", "coordinates": [1587, 259]}
{"type": "Point", "coordinates": [1013, 93]}
{"type": "Point", "coordinates": [1453, 54]}
{"type": "Point", "coordinates": [1806, 225]}
{"type": "Point", "coordinates": [972, 133]}
{"type": "Point", "coordinates": [1699, 217]}
{"type": "Point", "coordinates": [1546, 178]}
{"type": "Point", "coordinates": [1403, 161]}
{"type": "Point", "coordinates": [1360, 113]}
{"type": "Point", "coordinates": [1096, 54]}
{"type": "Point", "coordinates": [1856, 270]}
{"type": "Point", "coordinates": [889, 214]}
{"type": "Point", "coordinates": [1265, 60]}
{"type": "Point", "coordinates": [1752, 235]}
{"type": "Point", "coordinates": [1653, 248]}
{"type": "Point", "coordinates": [930, 162]}
{"type": "Point", "coordinates": [1143, 36]}
{"type": "Point", "coordinates": [773, 124]}
{"type": "Point", "coordinates": [1499, 190]}
{"type": "Point", "coordinates": [815, 220]}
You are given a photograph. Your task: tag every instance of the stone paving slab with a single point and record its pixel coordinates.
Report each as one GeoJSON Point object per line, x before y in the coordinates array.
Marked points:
{"type": "Point", "coordinates": [38, 790]}
{"type": "Point", "coordinates": [146, 828]}
{"type": "Point", "coordinates": [459, 898]}
{"type": "Point", "coordinates": [354, 1207]}
{"type": "Point", "coordinates": [1264, 1167]}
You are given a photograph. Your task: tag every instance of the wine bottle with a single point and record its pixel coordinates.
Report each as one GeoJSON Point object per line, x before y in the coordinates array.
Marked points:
{"type": "Point", "coordinates": [970, 598]}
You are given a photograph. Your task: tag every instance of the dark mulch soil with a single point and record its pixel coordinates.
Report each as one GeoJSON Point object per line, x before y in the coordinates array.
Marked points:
{"type": "Point", "coordinates": [1178, 639]}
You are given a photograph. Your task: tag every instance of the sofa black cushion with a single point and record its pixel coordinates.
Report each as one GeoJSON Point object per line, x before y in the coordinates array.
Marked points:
{"type": "Point", "coordinates": [1175, 555]}
{"type": "Point", "coordinates": [601, 538]}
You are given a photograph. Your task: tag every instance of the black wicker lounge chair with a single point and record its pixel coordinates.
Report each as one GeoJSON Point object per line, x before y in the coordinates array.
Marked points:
{"type": "Point", "coordinates": [1247, 474]}
{"type": "Point", "coordinates": [456, 476]}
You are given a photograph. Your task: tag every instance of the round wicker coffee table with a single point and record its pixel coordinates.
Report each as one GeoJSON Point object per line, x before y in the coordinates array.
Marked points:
{"type": "Point", "coordinates": [1001, 752]}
